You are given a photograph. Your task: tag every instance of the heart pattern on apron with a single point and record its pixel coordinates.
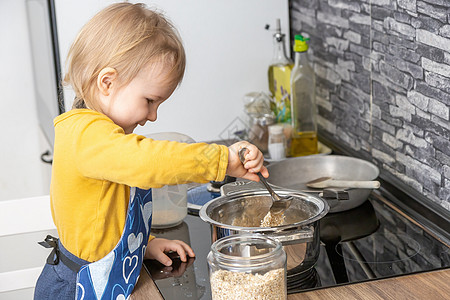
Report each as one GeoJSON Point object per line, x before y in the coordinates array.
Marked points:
{"type": "Point", "coordinates": [115, 275]}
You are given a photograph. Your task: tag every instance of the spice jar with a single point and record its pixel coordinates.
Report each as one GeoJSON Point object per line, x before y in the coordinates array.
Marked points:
{"type": "Point", "coordinates": [249, 266]}
{"type": "Point", "coordinates": [277, 142]}
{"type": "Point", "coordinates": [259, 132]}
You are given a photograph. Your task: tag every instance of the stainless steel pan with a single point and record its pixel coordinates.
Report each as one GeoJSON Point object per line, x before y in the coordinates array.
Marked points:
{"type": "Point", "coordinates": [294, 173]}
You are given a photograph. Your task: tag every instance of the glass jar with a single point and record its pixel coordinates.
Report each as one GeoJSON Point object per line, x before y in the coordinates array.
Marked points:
{"type": "Point", "coordinates": [259, 132]}
{"type": "Point", "coordinates": [277, 142]}
{"type": "Point", "coordinates": [169, 201]}
{"type": "Point", "coordinates": [169, 205]}
{"type": "Point", "coordinates": [249, 266]}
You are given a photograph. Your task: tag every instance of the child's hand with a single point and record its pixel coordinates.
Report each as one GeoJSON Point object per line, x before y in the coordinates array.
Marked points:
{"type": "Point", "coordinates": [157, 247]}
{"type": "Point", "coordinates": [253, 162]}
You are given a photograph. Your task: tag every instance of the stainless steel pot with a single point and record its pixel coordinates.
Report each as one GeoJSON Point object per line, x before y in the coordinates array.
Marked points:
{"type": "Point", "coordinates": [242, 211]}
{"type": "Point", "coordinates": [294, 173]}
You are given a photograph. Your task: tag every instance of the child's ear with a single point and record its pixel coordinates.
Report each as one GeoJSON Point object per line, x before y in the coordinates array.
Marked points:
{"type": "Point", "coordinates": [106, 79]}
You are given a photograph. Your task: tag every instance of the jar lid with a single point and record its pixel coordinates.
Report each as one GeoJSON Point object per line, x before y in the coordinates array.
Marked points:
{"type": "Point", "coordinates": [242, 249]}
{"type": "Point", "coordinates": [264, 120]}
{"type": "Point", "coordinates": [276, 129]}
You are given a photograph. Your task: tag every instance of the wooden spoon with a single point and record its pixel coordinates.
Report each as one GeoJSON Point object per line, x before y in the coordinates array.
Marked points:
{"type": "Point", "coordinates": [326, 182]}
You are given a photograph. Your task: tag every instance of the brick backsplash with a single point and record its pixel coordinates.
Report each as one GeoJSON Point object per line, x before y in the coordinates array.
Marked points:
{"type": "Point", "coordinates": [383, 83]}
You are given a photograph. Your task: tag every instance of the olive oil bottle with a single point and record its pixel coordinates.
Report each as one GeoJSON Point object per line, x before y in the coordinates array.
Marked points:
{"type": "Point", "coordinates": [303, 102]}
{"type": "Point", "coordinates": [279, 74]}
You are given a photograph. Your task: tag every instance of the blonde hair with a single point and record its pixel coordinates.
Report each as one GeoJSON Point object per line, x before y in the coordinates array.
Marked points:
{"type": "Point", "coordinates": [126, 37]}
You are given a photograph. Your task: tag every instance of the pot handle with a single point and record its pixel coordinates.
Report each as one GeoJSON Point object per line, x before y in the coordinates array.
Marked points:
{"type": "Point", "coordinates": [230, 189]}
{"type": "Point", "coordinates": [303, 235]}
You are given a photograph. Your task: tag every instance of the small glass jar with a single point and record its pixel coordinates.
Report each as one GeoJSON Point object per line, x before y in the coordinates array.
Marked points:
{"type": "Point", "coordinates": [259, 132]}
{"type": "Point", "coordinates": [249, 266]}
{"type": "Point", "coordinates": [170, 201]}
{"type": "Point", "coordinates": [169, 205]}
{"type": "Point", "coordinates": [277, 142]}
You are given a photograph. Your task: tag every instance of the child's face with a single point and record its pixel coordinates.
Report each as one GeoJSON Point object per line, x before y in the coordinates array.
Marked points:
{"type": "Point", "coordinates": [137, 102]}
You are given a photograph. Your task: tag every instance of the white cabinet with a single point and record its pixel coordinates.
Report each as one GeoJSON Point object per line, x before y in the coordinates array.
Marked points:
{"type": "Point", "coordinates": [23, 223]}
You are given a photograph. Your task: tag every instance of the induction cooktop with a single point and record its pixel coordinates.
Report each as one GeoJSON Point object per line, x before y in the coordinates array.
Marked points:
{"type": "Point", "coordinates": [373, 241]}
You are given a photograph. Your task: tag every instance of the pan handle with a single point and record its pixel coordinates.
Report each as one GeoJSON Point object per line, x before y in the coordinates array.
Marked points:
{"type": "Point", "coordinates": [334, 194]}
{"type": "Point", "coordinates": [233, 188]}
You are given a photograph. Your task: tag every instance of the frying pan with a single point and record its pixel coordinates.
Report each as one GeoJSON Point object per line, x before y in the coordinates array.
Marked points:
{"type": "Point", "coordinates": [295, 172]}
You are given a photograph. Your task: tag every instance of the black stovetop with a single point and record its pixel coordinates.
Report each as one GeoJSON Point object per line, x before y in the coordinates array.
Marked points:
{"type": "Point", "coordinates": [370, 242]}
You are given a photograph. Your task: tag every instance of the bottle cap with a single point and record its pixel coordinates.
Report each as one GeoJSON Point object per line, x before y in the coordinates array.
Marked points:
{"type": "Point", "coordinates": [264, 120]}
{"type": "Point", "coordinates": [300, 43]}
{"type": "Point", "coordinates": [275, 129]}
{"type": "Point", "coordinates": [278, 35]}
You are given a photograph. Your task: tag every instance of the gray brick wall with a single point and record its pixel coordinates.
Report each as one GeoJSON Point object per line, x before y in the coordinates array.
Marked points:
{"type": "Point", "coordinates": [383, 83]}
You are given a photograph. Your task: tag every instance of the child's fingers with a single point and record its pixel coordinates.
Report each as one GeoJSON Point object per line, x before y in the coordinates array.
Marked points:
{"type": "Point", "coordinates": [251, 176]}
{"type": "Point", "coordinates": [256, 164]}
{"type": "Point", "coordinates": [257, 167]}
{"type": "Point", "coordinates": [264, 172]}
{"type": "Point", "coordinates": [182, 248]}
{"type": "Point", "coordinates": [252, 152]}
{"type": "Point", "coordinates": [253, 162]}
{"type": "Point", "coordinates": [163, 258]}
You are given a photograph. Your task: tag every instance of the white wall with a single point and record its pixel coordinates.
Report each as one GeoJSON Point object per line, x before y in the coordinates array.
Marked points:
{"type": "Point", "coordinates": [22, 172]}
{"type": "Point", "coordinates": [228, 52]}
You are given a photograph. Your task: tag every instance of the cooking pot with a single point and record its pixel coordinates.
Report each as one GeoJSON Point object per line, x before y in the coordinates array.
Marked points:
{"type": "Point", "coordinates": [241, 212]}
{"type": "Point", "coordinates": [295, 172]}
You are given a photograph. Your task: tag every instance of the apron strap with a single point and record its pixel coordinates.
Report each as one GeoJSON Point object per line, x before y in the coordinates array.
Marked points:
{"type": "Point", "coordinates": [56, 255]}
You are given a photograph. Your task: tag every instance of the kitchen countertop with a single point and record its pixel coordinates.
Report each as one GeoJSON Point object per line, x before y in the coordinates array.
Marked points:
{"type": "Point", "coordinates": [425, 285]}
{"type": "Point", "coordinates": [429, 285]}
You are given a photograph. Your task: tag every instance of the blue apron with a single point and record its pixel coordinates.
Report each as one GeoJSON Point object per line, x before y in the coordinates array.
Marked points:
{"type": "Point", "coordinates": [115, 275]}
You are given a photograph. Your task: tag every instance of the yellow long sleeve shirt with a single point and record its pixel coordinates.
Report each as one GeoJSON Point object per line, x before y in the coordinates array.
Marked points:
{"type": "Point", "coordinates": [94, 165]}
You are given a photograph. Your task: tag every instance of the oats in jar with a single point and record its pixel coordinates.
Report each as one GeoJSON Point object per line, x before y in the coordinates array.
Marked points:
{"type": "Point", "coordinates": [226, 285]}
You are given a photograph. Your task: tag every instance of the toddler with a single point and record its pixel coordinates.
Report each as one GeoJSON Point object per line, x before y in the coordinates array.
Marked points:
{"type": "Point", "coordinates": [125, 62]}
